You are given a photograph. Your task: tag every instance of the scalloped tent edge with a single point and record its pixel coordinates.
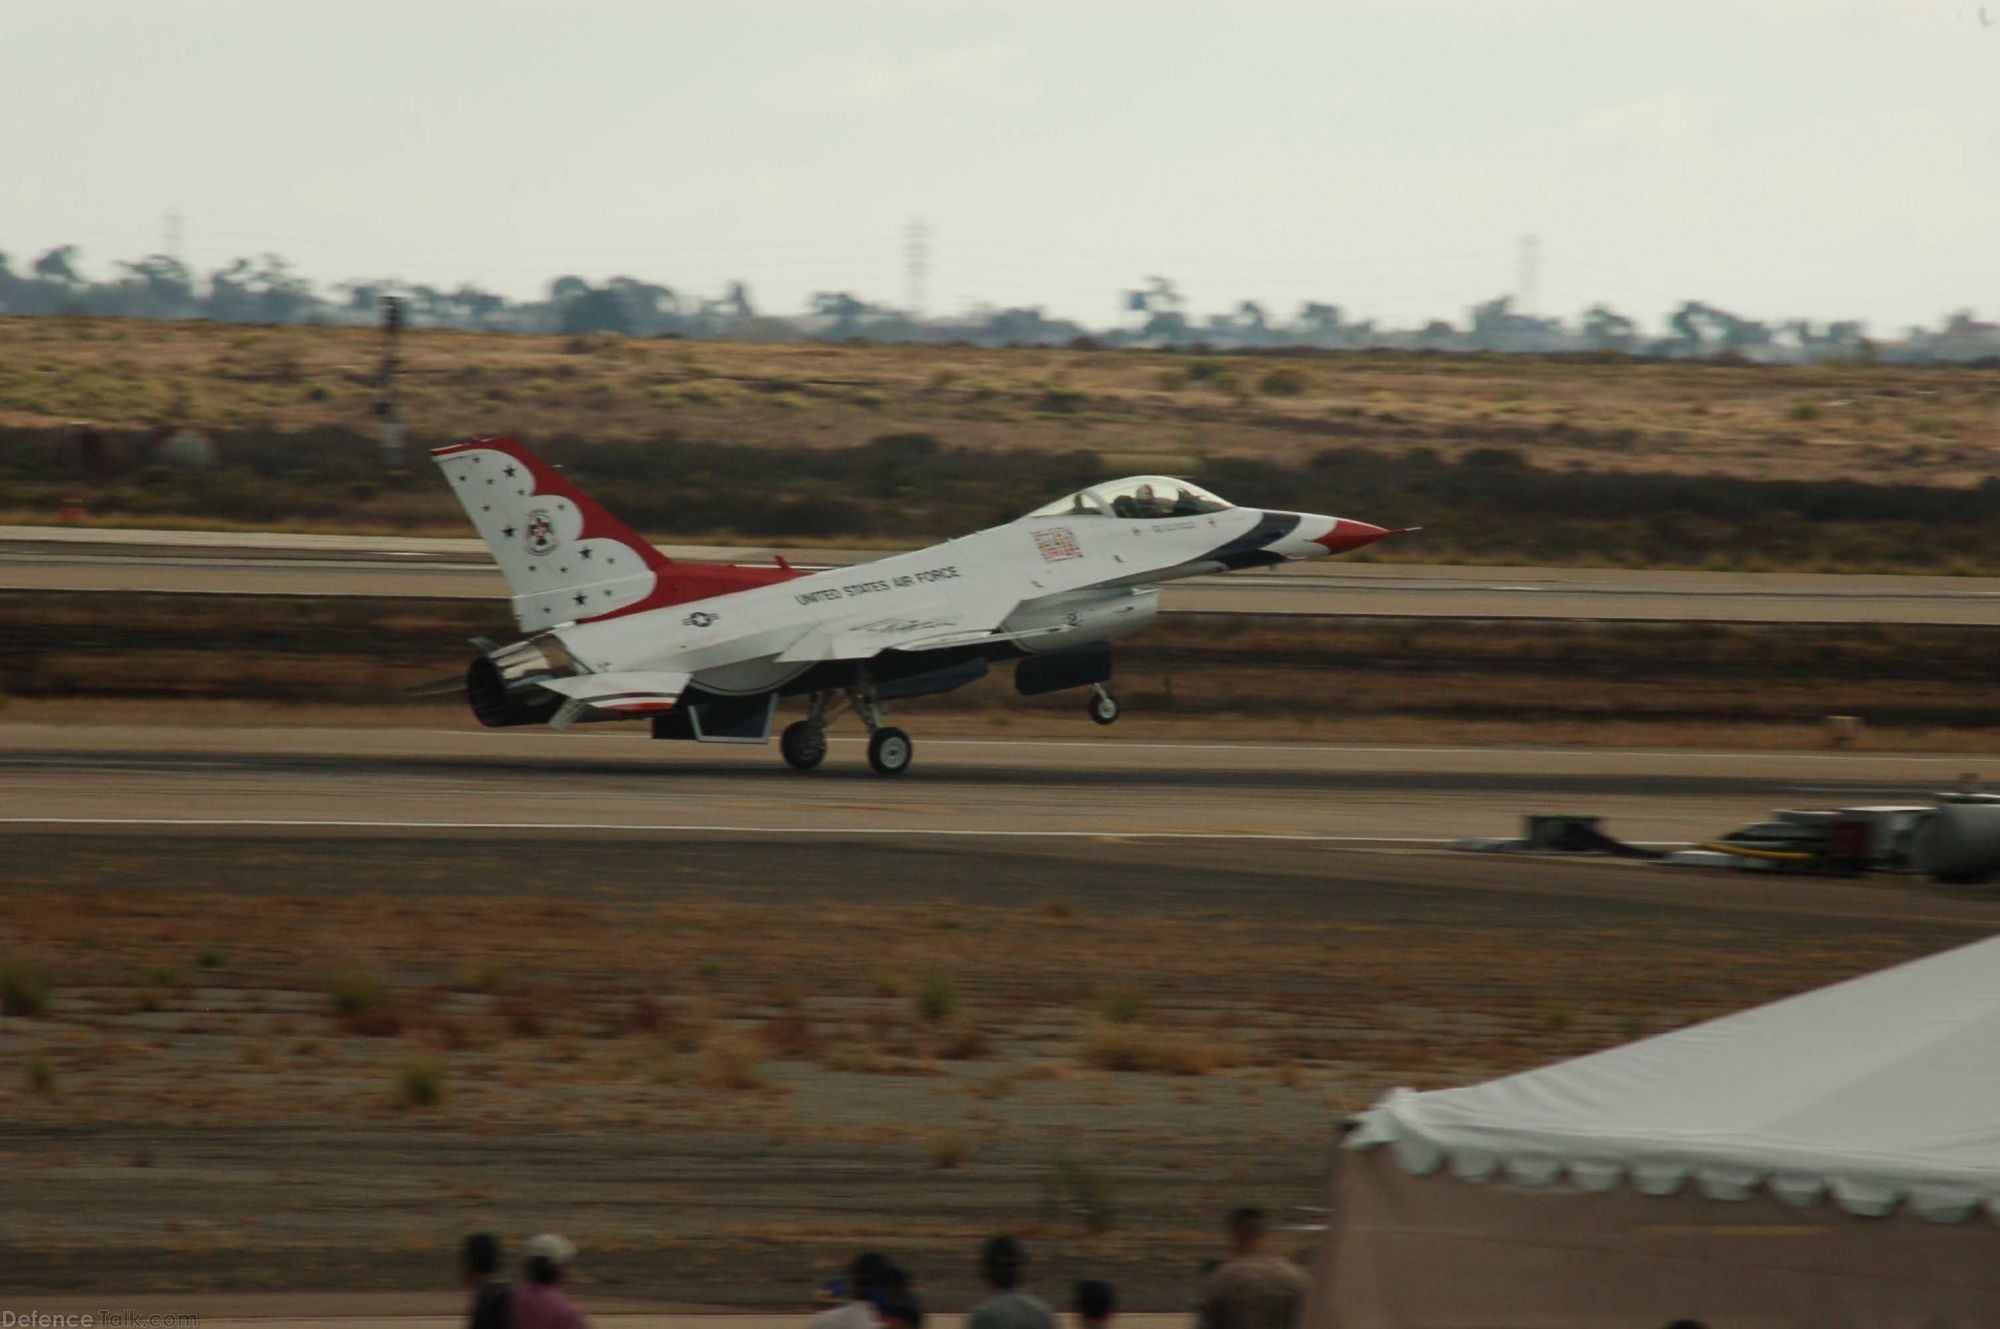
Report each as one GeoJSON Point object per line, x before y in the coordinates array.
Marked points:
{"type": "Point", "coordinates": [1820, 1160]}
{"type": "Point", "coordinates": [1864, 1197]}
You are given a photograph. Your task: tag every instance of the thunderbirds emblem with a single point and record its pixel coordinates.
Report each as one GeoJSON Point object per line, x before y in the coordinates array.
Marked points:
{"type": "Point", "coordinates": [541, 532]}
{"type": "Point", "coordinates": [1058, 543]}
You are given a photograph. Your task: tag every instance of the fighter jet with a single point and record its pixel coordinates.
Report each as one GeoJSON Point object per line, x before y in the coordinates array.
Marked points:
{"type": "Point", "coordinates": [615, 630]}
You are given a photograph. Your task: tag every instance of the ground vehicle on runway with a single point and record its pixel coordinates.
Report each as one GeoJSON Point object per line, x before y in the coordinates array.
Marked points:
{"type": "Point", "coordinates": [619, 631]}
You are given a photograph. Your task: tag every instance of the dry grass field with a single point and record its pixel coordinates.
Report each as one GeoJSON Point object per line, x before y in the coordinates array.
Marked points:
{"type": "Point", "coordinates": [1835, 467]}
{"type": "Point", "coordinates": [721, 1064]}
{"type": "Point", "coordinates": [1878, 423]}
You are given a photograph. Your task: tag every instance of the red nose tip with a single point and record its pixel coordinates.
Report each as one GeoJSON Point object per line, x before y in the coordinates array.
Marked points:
{"type": "Point", "coordinates": [1347, 536]}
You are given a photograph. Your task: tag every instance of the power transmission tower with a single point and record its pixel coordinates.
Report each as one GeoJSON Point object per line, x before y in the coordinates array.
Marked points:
{"type": "Point", "coordinates": [394, 436]}
{"type": "Point", "coordinates": [916, 266]}
{"type": "Point", "coordinates": [1530, 293]}
{"type": "Point", "coordinates": [173, 238]}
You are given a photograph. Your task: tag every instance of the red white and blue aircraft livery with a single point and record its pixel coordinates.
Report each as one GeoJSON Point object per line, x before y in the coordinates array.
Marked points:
{"type": "Point", "coordinates": [616, 630]}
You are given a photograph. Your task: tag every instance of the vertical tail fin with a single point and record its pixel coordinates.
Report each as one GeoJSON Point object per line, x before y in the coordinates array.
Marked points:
{"type": "Point", "coordinates": [564, 555]}
{"type": "Point", "coordinates": [567, 559]}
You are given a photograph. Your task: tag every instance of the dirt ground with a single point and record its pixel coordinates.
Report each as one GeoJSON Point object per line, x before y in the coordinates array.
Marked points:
{"type": "Point", "coordinates": [723, 1063]}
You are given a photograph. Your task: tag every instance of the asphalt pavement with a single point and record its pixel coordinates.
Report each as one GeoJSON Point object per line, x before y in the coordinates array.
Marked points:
{"type": "Point", "coordinates": [90, 559]}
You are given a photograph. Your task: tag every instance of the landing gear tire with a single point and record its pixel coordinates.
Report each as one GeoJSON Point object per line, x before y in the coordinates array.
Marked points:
{"type": "Point", "coordinates": [803, 745]}
{"type": "Point", "coordinates": [1104, 708]}
{"type": "Point", "coordinates": [889, 751]}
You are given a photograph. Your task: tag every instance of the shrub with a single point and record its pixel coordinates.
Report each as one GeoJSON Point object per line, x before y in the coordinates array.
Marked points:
{"type": "Point", "coordinates": [41, 1075]}
{"type": "Point", "coordinates": [1285, 381]}
{"type": "Point", "coordinates": [1055, 906]}
{"type": "Point", "coordinates": [480, 974]}
{"type": "Point", "coordinates": [948, 1148]}
{"type": "Point", "coordinates": [1805, 410]}
{"type": "Point", "coordinates": [729, 1061]}
{"type": "Point", "coordinates": [211, 956]}
{"type": "Point", "coordinates": [523, 1016]}
{"type": "Point", "coordinates": [1061, 399]}
{"type": "Point", "coordinates": [1122, 1005]}
{"type": "Point", "coordinates": [789, 1035]}
{"type": "Point", "coordinates": [963, 1042]}
{"type": "Point", "coordinates": [1075, 1189]}
{"type": "Point", "coordinates": [647, 1015]}
{"type": "Point", "coordinates": [24, 989]}
{"type": "Point", "coordinates": [354, 991]}
{"type": "Point", "coordinates": [162, 975]}
{"type": "Point", "coordinates": [378, 1023]}
{"type": "Point", "coordinates": [420, 1082]}
{"type": "Point", "coordinates": [1131, 1047]}
{"type": "Point", "coordinates": [937, 998]}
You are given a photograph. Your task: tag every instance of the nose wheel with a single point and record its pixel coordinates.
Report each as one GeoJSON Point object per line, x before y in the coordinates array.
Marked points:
{"type": "Point", "coordinates": [1104, 707]}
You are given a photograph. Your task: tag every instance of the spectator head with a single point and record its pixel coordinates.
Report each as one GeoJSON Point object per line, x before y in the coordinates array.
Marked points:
{"type": "Point", "coordinates": [547, 1258]}
{"type": "Point", "coordinates": [1247, 1229]}
{"type": "Point", "coordinates": [867, 1274]}
{"type": "Point", "coordinates": [900, 1309]}
{"type": "Point", "coordinates": [1094, 1302]}
{"type": "Point", "coordinates": [1002, 1261]}
{"type": "Point", "coordinates": [480, 1259]}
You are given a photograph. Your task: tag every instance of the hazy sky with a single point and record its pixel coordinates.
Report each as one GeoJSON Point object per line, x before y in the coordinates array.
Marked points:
{"type": "Point", "coordinates": [1777, 157]}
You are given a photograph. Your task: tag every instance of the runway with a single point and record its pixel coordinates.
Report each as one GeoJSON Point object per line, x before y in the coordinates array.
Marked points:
{"type": "Point", "coordinates": [1292, 903]}
{"type": "Point", "coordinates": [618, 784]}
{"type": "Point", "coordinates": [74, 559]}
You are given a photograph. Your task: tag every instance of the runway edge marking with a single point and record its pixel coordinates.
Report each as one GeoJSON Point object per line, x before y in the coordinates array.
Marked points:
{"type": "Point", "coordinates": [287, 823]}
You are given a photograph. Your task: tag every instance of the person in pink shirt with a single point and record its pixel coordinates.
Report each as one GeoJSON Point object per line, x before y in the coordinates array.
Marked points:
{"type": "Point", "coordinates": [538, 1300]}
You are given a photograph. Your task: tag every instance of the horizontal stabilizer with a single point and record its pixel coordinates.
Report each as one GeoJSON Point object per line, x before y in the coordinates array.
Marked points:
{"type": "Point", "coordinates": [633, 692]}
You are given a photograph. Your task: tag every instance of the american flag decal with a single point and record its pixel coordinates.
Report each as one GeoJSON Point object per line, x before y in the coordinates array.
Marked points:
{"type": "Point", "coordinates": [1057, 543]}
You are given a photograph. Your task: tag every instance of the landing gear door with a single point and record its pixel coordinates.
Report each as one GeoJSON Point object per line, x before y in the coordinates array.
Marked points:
{"type": "Point", "coordinates": [720, 720]}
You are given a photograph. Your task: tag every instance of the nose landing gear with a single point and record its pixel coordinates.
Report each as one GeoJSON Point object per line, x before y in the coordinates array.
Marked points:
{"type": "Point", "coordinates": [1104, 707]}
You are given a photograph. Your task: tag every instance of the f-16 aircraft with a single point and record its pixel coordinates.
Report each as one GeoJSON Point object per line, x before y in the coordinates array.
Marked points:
{"type": "Point", "coordinates": [616, 630]}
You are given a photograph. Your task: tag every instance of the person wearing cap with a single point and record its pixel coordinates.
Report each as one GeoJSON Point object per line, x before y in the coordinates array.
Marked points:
{"type": "Point", "coordinates": [538, 1302]}
{"type": "Point", "coordinates": [1002, 1261]}
{"type": "Point", "coordinates": [479, 1268]}
{"type": "Point", "coordinates": [867, 1276]}
{"type": "Point", "coordinates": [1254, 1288]}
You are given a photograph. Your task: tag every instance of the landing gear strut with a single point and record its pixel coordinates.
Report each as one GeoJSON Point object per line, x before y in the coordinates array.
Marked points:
{"type": "Point", "coordinates": [889, 748]}
{"type": "Point", "coordinates": [1104, 707]}
{"type": "Point", "coordinates": [803, 744]}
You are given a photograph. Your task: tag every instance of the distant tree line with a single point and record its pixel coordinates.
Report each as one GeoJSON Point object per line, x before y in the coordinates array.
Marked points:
{"type": "Point", "coordinates": [266, 289]}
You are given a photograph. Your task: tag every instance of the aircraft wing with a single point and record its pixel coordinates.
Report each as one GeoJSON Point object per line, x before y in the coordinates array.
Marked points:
{"type": "Point", "coordinates": [627, 692]}
{"type": "Point", "coordinates": [962, 623]}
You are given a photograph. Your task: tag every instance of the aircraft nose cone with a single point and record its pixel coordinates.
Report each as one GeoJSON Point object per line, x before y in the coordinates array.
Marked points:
{"type": "Point", "coordinates": [1347, 536]}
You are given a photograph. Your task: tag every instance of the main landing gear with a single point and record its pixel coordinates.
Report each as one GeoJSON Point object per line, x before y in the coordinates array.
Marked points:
{"type": "Point", "coordinates": [803, 744]}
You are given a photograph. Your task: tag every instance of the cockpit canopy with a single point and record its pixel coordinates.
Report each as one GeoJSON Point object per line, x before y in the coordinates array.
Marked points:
{"type": "Point", "coordinates": [1140, 496]}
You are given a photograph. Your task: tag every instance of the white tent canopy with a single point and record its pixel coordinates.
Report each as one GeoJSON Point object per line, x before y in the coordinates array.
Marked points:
{"type": "Point", "coordinates": [1881, 1091]}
